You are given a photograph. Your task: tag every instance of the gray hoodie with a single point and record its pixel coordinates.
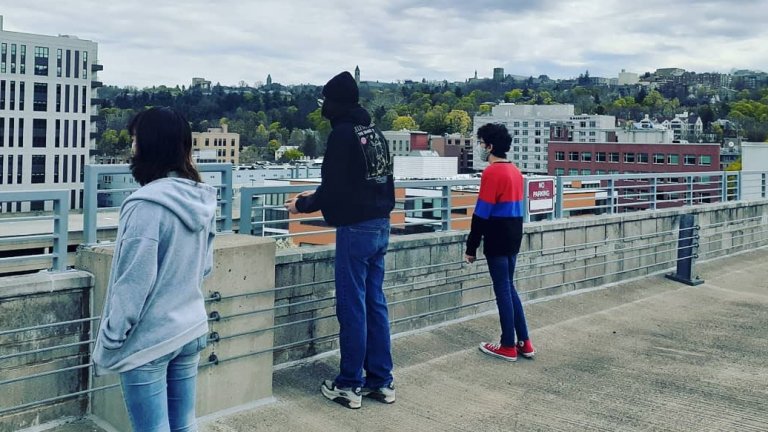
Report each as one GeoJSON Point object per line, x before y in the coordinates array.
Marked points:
{"type": "Point", "coordinates": [164, 248]}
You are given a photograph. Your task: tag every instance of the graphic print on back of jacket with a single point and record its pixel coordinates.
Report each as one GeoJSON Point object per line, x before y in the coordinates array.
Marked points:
{"type": "Point", "coordinates": [378, 163]}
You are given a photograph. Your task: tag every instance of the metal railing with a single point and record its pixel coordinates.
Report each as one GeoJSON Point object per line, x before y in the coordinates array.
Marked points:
{"type": "Point", "coordinates": [57, 237]}
{"type": "Point", "coordinates": [430, 205]}
{"type": "Point", "coordinates": [94, 176]}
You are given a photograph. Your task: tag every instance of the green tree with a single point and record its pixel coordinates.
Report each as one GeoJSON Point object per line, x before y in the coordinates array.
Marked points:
{"type": "Point", "coordinates": [249, 155]}
{"type": "Point", "coordinates": [292, 155]}
{"type": "Point", "coordinates": [458, 121]}
{"type": "Point", "coordinates": [404, 122]}
{"type": "Point", "coordinates": [513, 95]}
{"type": "Point", "coordinates": [320, 123]}
{"type": "Point", "coordinates": [434, 121]}
{"type": "Point", "coordinates": [388, 119]}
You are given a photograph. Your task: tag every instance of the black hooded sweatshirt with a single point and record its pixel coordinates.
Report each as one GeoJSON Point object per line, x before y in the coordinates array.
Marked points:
{"type": "Point", "coordinates": [357, 183]}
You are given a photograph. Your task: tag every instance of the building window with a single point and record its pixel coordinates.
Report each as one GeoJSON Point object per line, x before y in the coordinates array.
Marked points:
{"type": "Point", "coordinates": [68, 64]}
{"type": "Point", "coordinates": [573, 172]}
{"type": "Point", "coordinates": [82, 134]}
{"type": "Point", "coordinates": [586, 156]}
{"type": "Point", "coordinates": [21, 133]}
{"type": "Point", "coordinates": [613, 157]}
{"type": "Point", "coordinates": [85, 65]}
{"type": "Point", "coordinates": [66, 98]}
{"type": "Point", "coordinates": [21, 95]}
{"type": "Point", "coordinates": [23, 60]}
{"type": "Point", "coordinates": [629, 158]}
{"type": "Point", "coordinates": [77, 64]}
{"type": "Point", "coordinates": [2, 131]}
{"type": "Point", "coordinates": [515, 124]}
{"type": "Point", "coordinates": [705, 160]}
{"type": "Point", "coordinates": [58, 63]}
{"type": "Point", "coordinates": [13, 58]}
{"type": "Point", "coordinates": [3, 56]}
{"type": "Point", "coordinates": [40, 97]}
{"type": "Point", "coordinates": [56, 168]}
{"type": "Point", "coordinates": [12, 105]}
{"type": "Point", "coordinates": [559, 171]}
{"type": "Point", "coordinates": [11, 132]}
{"type": "Point", "coordinates": [673, 159]}
{"type": "Point", "coordinates": [38, 132]}
{"type": "Point", "coordinates": [74, 138]}
{"type": "Point", "coordinates": [58, 97]}
{"type": "Point", "coordinates": [586, 172]}
{"type": "Point", "coordinates": [65, 171]}
{"type": "Point", "coordinates": [10, 169]}
{"type": "Point", "coordinates": [38, 169]}
{"type": "Point", "coordinates": [573, 156]}
{"type": "Point", "coordinates": [2, 94]}
{"type": "Point", "coordinates": [41, 61]}
{"type": "Point", "coordinates": [658, 158]}
{"type": "Point", "coordinates": [559, 156]}
{"type": "Point", "coordinates": [642, 158]}
{"type": "Point", "coordinates": [66, 140]}
{"type": "Point", "coordinates": [19, 168]}
{"type": "Point", "coordinates": [689, 159]}
{"type": "Point", "coordinates": [2, 169]}
{"type": "Point", "coordinates": [57, 135]}
{"type": "Point", "coordinates": [84, 100]}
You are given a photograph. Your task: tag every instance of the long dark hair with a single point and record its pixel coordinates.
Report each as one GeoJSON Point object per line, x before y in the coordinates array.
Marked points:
{"type": "Point", "coordinates": [163, 144]}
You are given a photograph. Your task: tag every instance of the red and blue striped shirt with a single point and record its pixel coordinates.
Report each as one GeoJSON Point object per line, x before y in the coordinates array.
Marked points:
{"type": "Point", "coordinates": [498, 215]}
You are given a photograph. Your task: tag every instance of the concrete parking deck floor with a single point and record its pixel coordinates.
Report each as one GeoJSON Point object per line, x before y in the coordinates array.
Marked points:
{"type": "Point", "coordinates": [650, 354]}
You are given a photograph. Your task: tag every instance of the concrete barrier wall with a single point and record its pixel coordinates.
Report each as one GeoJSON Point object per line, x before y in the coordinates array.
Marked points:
{"type": "Point", "coordinates": [427, 284]}
{"type": "Point", "coordinates": [28, 301]}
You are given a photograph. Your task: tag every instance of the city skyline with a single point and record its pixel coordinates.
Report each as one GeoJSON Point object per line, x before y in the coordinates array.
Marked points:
{"type": "Point", "coordinates": [146, 44]}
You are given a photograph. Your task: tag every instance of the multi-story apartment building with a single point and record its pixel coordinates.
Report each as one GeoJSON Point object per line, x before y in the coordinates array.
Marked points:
{"type": "Point", "coordinates": [530, 127]}
{"type": "Point", "coordinates": [455, 145]}
{"type": "Point", "coordinates": [47, 93]}
{"type": "Point", "coordinates": [225, 144]}
{"type": "Point", "coordinates": [403, 142]}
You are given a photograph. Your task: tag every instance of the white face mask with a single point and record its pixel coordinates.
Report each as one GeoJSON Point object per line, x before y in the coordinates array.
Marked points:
{"type": "Point", "coordinates": [483, 152]}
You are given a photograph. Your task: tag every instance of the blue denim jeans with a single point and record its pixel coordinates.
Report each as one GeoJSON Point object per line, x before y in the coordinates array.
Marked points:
{"type": "Point", "coordinates": [361, 307]}
{"type": "Point", "coordinates": [511, 315]}
{"type": "Point", "coordinates": [160, 395]}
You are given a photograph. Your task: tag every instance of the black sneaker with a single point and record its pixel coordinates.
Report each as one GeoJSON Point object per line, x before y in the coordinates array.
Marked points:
{"type": "Point", "coordinates": [349, 397]}
{"type": "Point", "coordinates": [382, 394]}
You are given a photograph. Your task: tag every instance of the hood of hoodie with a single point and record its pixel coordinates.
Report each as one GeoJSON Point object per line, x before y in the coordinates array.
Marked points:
{"type": "Point", "coordinates": [193, 203]}
{"type": "Point", "coordinates": [357, 115]}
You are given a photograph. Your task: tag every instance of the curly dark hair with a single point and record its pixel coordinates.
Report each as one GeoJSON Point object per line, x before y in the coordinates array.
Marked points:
{"type": "Point", "coordinates": [496, 134]}
{"type": "Point", "coordinates": [163, 144]}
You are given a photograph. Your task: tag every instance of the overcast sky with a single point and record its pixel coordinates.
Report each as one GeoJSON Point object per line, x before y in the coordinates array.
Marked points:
{"type": "Point", "coordinates": [146, 43]}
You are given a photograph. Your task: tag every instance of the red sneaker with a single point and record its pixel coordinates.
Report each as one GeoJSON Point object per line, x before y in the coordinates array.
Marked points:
{"type": "Point", "coordinates": [525, 348]}
{"type": "Point", "coordinates": [502, 352]}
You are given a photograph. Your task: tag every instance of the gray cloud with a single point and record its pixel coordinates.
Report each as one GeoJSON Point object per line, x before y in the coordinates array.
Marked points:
{"type": "Point", "coordinates": [304, 41]}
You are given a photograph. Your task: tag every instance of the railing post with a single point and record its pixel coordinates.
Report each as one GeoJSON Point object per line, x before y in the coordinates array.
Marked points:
{"type": "Point", "coordinates": [611, 191]}
{"type": "Point", "coordinates": [723, 186]}
{"type": "Point", "coordinates": [246, 201]}
{"type": "Point", "coordinates": [226, 198]}
{"type": "Point", "coordinates": [763, 188]}
{"type": "Point", "coordinates": [60, 230]}
{"type": "Point", "coordinates": [90, 204]}
{"type": "Point", "coordinates": [687, 248]}
{"type": "Point", "coordinates": [739, 185]}
{"type": "Point", "coordinates": [526, 209]}
{"type": "Point", "coordinates": [689, 190]}
{"type": "Point", "coordinates": [559, 200]}
{"type": "Point", "coordinates": [445, 213]}
{"type": "Point", "coordinates": [654, 193]}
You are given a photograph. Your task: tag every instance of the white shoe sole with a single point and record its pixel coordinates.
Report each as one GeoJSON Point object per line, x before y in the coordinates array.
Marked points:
{"type": "Point", "coordinates": [339, 399]}
{"type": "Point", "coordinates": [493, 354]}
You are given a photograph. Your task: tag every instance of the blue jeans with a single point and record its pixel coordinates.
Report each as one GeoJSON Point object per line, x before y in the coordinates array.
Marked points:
{"type": "Point", "coordinates": [511, 315]}
{"type": "Point", "coordinates": [160, 395]}
{"type": "Point", "coordinates": [361, 307]}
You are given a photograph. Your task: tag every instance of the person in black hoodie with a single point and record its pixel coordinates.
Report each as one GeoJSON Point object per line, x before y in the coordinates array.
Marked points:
{"type": "Point", "coordinates": [356, 195]}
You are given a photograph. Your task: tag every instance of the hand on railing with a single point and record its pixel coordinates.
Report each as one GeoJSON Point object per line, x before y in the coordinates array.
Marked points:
{"type": "Point", "coordinates": [469, 259]}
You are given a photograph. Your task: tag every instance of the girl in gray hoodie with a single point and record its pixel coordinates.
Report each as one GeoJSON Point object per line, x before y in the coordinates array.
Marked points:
{"type": "Point", "coordinates": [154, 323]}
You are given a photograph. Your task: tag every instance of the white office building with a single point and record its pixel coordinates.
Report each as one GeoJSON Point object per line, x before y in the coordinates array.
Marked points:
{"type": "Point", "coordinates": [530, 125]}
{"type": "Point", "coordinates": [47, 91]}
